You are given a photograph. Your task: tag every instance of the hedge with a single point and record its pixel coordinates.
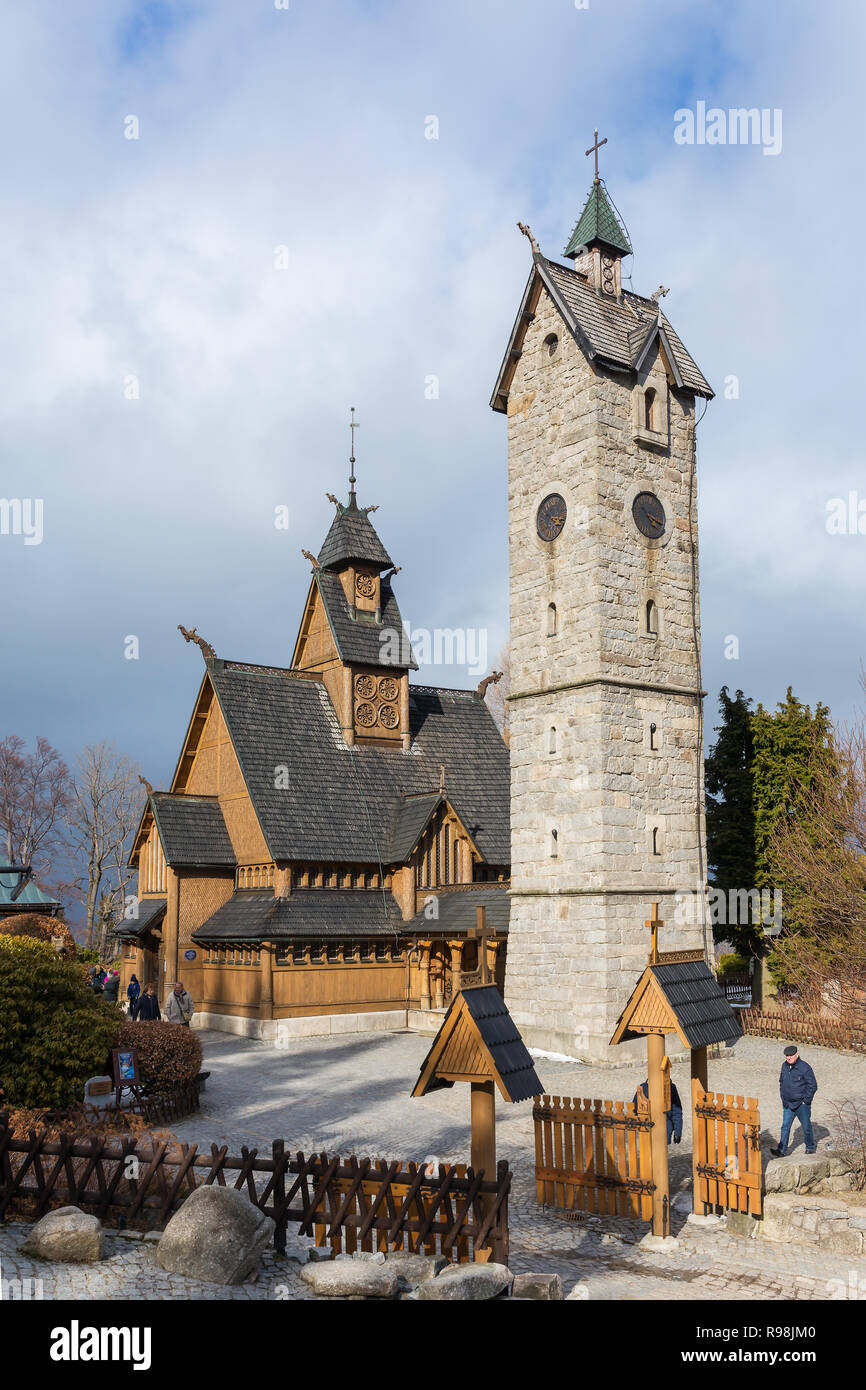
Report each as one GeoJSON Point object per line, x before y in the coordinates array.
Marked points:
{"type": "Point", "coordinates": [169, 1054]}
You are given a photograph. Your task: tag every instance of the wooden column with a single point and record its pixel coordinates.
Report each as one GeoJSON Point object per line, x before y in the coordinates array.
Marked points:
{"type": "Point", "coordinates": [483, 1150]}
{"type": "Point", "coordinates": [424, 967]}
{"type": "Point", "coordinates": [348, 707]}
{"type": "Point", "coordinates": [456, 948]}
{"type": "Point", "coordinates": [699, 1083]}
{"type": "Point", "coordinates": [437, 981]}
{"type": "Point", "coordinates": [492, 949]}
{"type": "Point", "coordinates": [170, 932]}
{"type": "Point", "coordinates": [659, 1135]}
{"type": "Point", "coordinates": [483, 1113]}
{"type": "Point", "coordinates": [266, 981]}
{"type": "Point", "coordinates": [405, 735]}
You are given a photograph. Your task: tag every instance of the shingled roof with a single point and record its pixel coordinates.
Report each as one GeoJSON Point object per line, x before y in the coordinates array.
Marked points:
{"type": "Point", "coordinates": [456, 908]}
{"type": "Point", "coordinates": [681, 996]}
{"type": "Point", "coordinates": [150, 913]}
{"type": "Point", "coordinates": [598, 222]}
{"type": "Point", "coordinates": [479, 1039]}
{"type": "Point", "coordinates": [412, 815]}
{"type": "Point", "coordinates": [192, 830]}
{"type": "Point", "coordinates": [342, 801]}
{"type": "Point", "coordinates": [358, 636]}
{"type": "Point", "coordinates": [308, 913]}
{"type": "Point", "coordinates": [611, 330]}
{"type": "Point", "coordinates": [353, 537]}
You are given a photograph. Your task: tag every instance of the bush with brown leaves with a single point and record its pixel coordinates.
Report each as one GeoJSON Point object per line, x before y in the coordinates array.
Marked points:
{"type": "Point", "coordinates": [169, 1054]}
{"type": "Point", "coordinates": [41, 928]}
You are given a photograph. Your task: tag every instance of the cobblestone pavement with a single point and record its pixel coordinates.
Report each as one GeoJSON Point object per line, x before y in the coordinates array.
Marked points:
{"type": "Point", "coordinates": [351, 1095]}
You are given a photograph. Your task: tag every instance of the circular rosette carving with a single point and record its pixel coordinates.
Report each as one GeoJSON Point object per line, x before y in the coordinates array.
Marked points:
{"type": "Point", "coordinates": [388, 688]}
{"type": "Point", "coordinates": [365, 585]}
{"type": "Point", "coordinates": [365, 687]}
{"type": "Point", "coordinates": [388, 717]}
{"type": "Point", "coordinates": [365, 715]}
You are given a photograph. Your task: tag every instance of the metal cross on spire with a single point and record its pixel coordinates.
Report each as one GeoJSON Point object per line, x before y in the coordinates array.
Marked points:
{"type": "Point", "coordinates": [594, 149]}
{"type": "Point", "coordinates": [353, 426]}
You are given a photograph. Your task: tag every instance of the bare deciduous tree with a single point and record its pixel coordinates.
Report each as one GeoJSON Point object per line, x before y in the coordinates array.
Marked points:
{"type": "Point", "coordinates": [35, 789]}
{"type": "Point", "coordinates": [103, 812]}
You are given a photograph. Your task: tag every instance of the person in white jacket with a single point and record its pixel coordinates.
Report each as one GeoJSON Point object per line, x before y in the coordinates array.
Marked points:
{"type": "Point", "coordinates": [179, 1007]}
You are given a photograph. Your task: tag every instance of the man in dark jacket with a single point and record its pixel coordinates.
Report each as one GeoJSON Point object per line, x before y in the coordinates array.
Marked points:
{"type": "Point", "coordinates": [674, 1116]}
{"type": "Point", "coordinates": [148, 1005]}
{"type": "Point", "coordinates": [797, 1087]}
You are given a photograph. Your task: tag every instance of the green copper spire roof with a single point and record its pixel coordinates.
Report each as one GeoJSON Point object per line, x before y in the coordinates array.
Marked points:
{"type": "Point", "coordinates": [598, 222]}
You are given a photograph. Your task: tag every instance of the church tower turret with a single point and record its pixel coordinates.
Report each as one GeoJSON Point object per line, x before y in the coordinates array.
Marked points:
{"type": "Point", "coordinates": [606, 723]}
{"type": "Point", "coordinates": [352, 632]}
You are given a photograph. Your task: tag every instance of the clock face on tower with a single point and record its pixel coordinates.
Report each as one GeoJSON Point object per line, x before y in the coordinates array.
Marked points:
{"type": "Point", "coordinates": [649, 515]}
{"type": "Point", "coordinates": [551, 517]}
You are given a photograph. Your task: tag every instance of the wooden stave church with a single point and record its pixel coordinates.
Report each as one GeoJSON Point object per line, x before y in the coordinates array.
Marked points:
{"type": "Point", "coordinates": [330, 830]}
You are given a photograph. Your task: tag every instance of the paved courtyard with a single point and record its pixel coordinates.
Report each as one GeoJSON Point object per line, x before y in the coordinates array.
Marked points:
{"type": "Point", "coordinates": [351, 1095]}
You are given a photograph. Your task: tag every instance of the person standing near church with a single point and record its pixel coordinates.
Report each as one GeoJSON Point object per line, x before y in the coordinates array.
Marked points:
{"type": "Point", "coordinates": [674, 1116]}
{"type": "Point", "coordinates": [797, 1087]}
{"type": "Point", "coordinates": [147, 1006]}
{"type": "Point", "coordinates": [179, 1006]}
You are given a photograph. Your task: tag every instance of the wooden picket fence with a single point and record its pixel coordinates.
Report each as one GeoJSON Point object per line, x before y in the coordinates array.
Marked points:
{"type": "Point", "coordinates": [806, 1028]}
{"type": "Point", "coordinates": [726, 1152]}
{"type": "Point", "coordinates": [350, 1204]}
{"type": "Point", "coordinates": [594, 1155]}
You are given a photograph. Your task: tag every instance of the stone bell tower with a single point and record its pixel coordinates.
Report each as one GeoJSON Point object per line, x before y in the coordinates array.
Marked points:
{"type": "Point", "coordinates": [606, 726]}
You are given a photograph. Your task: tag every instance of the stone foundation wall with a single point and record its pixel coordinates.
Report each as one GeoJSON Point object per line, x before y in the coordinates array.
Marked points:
{"type": "Point", "coordinates": [833, 1223]}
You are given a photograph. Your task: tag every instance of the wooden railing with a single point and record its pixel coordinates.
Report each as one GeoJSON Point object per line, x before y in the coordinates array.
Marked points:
{"type": "Point", "coordinates": [351, 1204]}
{"type": "Point", "coordinates": [795, 1026]}
{"type": "Point", "coordinates": [594, 1155]}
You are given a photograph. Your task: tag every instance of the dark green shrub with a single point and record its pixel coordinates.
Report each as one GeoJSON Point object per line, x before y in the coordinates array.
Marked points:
{"type": "Point", "coordinates": [54, 1033]}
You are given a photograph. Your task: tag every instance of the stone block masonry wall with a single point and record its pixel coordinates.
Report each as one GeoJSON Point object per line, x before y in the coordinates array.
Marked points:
{"type": "Point", "coordinates": [604, 808]}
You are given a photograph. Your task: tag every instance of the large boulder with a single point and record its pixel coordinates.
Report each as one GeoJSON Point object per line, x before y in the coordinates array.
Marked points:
{"type": "Point", "coordinates": [351, 1279]}
{"type": "Point", "coordinates": [66, 1234]}
{"type": "Point", "coordinates": [469, 1281]}
{"type": "Point", "coordinates": [545, 1287]}
{"type": "Point", "coordinates": [218, 1236]}
{"type": "Point", "coordinates": [412, 1269]}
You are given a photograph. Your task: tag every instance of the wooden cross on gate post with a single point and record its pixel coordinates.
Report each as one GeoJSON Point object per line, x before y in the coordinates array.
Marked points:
{"type": "Point", "coordinates": [594, 149]}
{"type": "Point", "coordinates": [654, 922]}
{"type": "Point", "coordinates": [480, 934]}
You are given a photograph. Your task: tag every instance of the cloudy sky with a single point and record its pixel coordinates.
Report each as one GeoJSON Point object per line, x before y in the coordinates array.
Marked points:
{"type": "Point", "coordinates": [188, 316]}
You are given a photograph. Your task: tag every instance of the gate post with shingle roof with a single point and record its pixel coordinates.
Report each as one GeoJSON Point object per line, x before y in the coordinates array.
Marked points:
{"type": "Point", "coordinates": [677, 993]}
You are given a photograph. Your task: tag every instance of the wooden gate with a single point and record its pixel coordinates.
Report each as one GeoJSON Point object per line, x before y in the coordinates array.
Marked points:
{"type": "Point", "coordinates": [726, 1151]}
{"type": "Point", "coordinates": [594, 1155]}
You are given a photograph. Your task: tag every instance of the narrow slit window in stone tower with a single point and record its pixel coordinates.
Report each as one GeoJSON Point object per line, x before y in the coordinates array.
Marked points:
{"type": "Point", "coordinates": [648, 409]}
{"type": "Point", "coordinates": [656, 849]}
{"type": "Point", "coordinates": [551, 343]}
{"type": "Point", "coordinates": [551, 620]}
{"type": "Point", "coordinates": [652, 618]}
{"type": "Point", "coordinates": [551, 739]}
{"type": "Point", "coordinates": [554, 844]}
{"type": "Point", "coordinates": [652, 733]}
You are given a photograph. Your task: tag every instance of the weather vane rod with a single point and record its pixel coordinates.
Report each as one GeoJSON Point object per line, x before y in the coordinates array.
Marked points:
{"type": "Point", "coordinates": [353, 426]}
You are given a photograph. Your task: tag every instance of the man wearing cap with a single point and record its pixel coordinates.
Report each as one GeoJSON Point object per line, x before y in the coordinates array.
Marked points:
{"type": "Point", "coordinates": [797, 1087]}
